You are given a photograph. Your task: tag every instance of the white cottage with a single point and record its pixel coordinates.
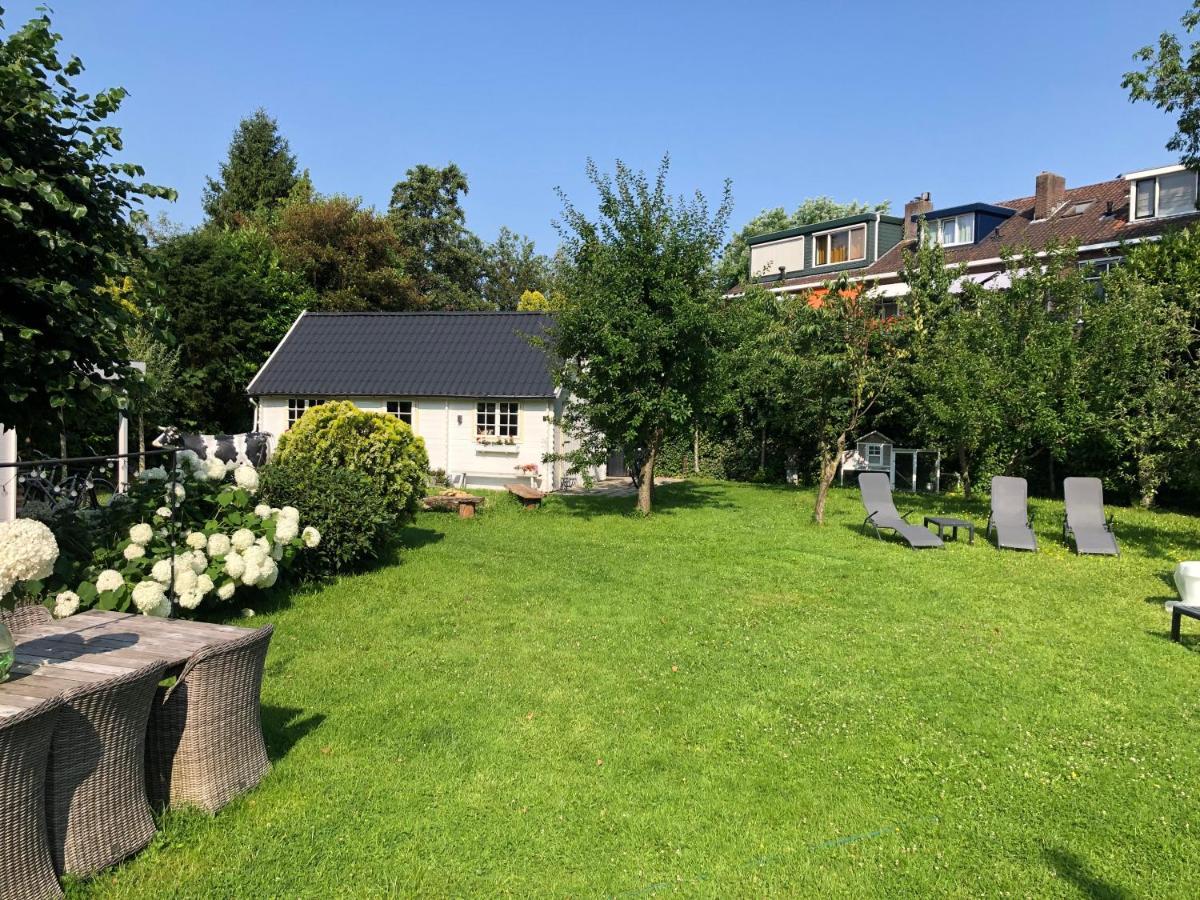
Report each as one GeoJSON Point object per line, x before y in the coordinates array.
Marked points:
{"type": "Point", "coordinates": [475, 386]}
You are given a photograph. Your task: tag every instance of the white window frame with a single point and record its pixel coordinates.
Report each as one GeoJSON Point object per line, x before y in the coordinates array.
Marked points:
{"type": "Point", "coordinates": [828, 235]}
{"type": "Point", "coordinates": [933, 229]}
{"type": "Point", "coordinates": [877, 451]}
{"type": "Point", "coordinates": [1133, 186]}
{"type": "Point", "coordinates": [298, 406]}
{"type": "Point", "coordinates": [395, 408]}
{"type": "Point", "coordinates": [498, 419]}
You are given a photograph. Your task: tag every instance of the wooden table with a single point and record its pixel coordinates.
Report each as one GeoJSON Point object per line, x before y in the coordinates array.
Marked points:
{"type": "Point", "coordinates": [94, 646]}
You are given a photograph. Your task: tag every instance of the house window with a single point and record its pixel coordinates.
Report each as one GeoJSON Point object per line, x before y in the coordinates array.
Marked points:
{"type": "Point", "coordinates": [1170, 194]}
{"type": "Point", "coordinates": [297, 406]}
{"type": "Point", "coordinates": [844, 245]}
{"type": "Point", "coordinates": [874, 454]}
{"type": "Point", "coordinates": [1094, 271]}
{"type": "Point", "coordinates": [951, 231]}
{"type": "Point", "coordinates": [402, 410]}
{"type": "Point", "coordinates": [497, 418]}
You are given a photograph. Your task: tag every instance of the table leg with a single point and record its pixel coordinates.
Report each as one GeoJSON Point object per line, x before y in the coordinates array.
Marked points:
{"type": "Point", "coordinates": [971, 535]}
{"type": "Point", "coordinates": [1175, 625]}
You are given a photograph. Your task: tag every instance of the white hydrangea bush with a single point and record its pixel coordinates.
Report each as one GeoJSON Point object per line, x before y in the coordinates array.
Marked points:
{"type": "Point", "coordinates": [176, 541]}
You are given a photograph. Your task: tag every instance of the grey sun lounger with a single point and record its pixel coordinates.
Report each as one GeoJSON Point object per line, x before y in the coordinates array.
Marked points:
{"type": "Point", "coordinates": [1010, 514]}
{"type": "Point", "coordinates": [876, 491]}
{"type": "Point", "coordinates": [1084, 519]}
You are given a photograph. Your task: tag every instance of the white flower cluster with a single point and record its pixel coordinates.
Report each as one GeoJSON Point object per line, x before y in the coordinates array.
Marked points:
{"type": "Point", "coordinates": [65, 604]}
{"type": "Point", "coordinates": [28, 552]}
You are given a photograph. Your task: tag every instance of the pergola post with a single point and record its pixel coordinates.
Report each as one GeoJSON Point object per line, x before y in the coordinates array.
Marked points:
{"type": "Point", "coordinates": [8, 474]}
{"type": "Point", "coordinates": [122, 449]}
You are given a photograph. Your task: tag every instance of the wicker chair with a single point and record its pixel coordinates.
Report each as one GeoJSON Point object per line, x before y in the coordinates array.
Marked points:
{"type": "Point", "coordinates": [26, 869]}
{"type": "Point", "coordinates": [96, 780]}
{"type": "Point", "coordinates": [23, 618]}
{"type": "Point", "coordinates": [205, 742]}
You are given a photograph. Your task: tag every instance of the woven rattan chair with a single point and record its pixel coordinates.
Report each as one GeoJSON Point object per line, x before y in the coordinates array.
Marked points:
{"type": "Point", "coordinates": [26, 869]}
{"type": "Point", "coordinates": [96, 781]}
{"type": "Point", "coordinates": [23, 618]}
{"type": "Point", "coordinates": [205, 743]}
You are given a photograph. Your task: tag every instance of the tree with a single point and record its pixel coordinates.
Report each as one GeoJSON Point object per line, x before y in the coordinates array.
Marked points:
{"type": "Point", "coordinates": [65, 234]}
{"type": "Point", "coordinates": [636, 337]}
{"type": "Point", "coordinates": [444, 260]}
{"type": "Point", "coordinates": [347, 254]}
{"type": "Point", "coordinates": [228, 302]}
{"type": "Point", "coordinates": [536, 301]}
{"type": "Point", "coordinates": [152, 396]}
{"type": "Point", "coordinates": [512, 268]}
{"type": "Point", "coordinates": [257, 176]}
{"type": "Point", "coordinates": [840, 359]}
{"type": "Point", "coordinates": [734, 267]}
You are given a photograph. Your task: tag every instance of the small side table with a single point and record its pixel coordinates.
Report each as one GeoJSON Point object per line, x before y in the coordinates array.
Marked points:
{"type": "Point", "coordinates": [944, 522]}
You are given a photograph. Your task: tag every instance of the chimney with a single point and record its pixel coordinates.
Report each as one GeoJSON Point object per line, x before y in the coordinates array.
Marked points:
{"type": "Point", "coordinates": [917, 206]}
{"type": "Point", "coordinates": [1049, 196]}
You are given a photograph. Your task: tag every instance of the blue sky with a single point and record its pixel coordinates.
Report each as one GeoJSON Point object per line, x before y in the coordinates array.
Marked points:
{"type": "Point", "coordinates": [866, 101]}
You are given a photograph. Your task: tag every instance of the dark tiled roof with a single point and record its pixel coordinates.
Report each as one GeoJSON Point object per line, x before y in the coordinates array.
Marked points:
{"type": "Point", "coordinates": [441, 354]}
{"type": "Point", "coordinates": [1094, 225]}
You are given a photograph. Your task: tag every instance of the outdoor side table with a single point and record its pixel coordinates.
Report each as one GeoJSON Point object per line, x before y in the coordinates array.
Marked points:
{"type": "Point", "coordinates": [944, 522]}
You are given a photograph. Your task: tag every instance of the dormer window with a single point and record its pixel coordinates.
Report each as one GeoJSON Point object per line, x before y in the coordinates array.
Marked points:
{"type": "Point", "coordinates": [840, 246]}
{"type": "Point", "coordinates": [1165, 194]}
{"type": "Point", "coordinates": [951, 231]}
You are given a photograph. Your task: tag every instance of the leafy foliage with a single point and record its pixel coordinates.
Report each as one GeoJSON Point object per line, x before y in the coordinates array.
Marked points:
{"type": "Point", "coordinates": [637, 334]}
{"type": "Point", "coordinates": [65, 232]}
{"type": "Point", "coordinates": [384, 449]}
{"type": "Point", "coordinates": [258, 174]}
{"type": "Point", "coordinates": [512, 269]}
{"type": "Point", "coordinates": [353, 516]}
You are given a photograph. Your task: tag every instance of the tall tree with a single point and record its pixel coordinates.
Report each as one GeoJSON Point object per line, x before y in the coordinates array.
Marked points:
{"type": "Point", "coordinates": [347, 254]}
{"type": "Point", "coordinates": [734, 267]}
{"type": "Point", "coordinates": [257, 176]}
{"type": "Point", "coordinates": [841, 360]}
{"type": "Point", "coordinates": [229, 302]}
{"type": "Point", "coordinates": [1172, 83]}
{"type": "Point", "coordinates": [65, 233]}
{"type": "Point", "coordinates": [512, 268]}
{"type": "Point", "coordinates": [442, 257]}
{"type": "Point", "coordinates": [637, 333]}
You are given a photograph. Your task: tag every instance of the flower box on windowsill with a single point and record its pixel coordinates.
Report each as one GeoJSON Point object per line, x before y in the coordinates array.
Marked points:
{"type": "Point", "coordinates": [493, 446]}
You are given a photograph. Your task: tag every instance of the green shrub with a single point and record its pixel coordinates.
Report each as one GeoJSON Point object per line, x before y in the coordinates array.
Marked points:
{"type": "Point", "coordinates": [339, 435]}
{"type": "Point", "coordinates": [352, 515]}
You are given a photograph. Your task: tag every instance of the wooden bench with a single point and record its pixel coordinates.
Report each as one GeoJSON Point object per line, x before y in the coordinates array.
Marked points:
{"type": "Point", "coordinates": [464, 504]}
{"type": "Point", "coordinates": [530, 497]}
{"type": "Point", "coordinates": [1177, 612]}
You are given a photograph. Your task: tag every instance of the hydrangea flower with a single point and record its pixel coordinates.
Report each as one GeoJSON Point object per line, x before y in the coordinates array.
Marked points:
{"type": "Point", "coordinates": [28, 552]}
{"type": "Point", "coordinates": [198, 561]}
{"type": "Point", "coordinates": [310, 536]}
{"type": "Point", "coordinates": [66, 604]}
{"type": "Point", "coordinates": [109, 580]}
{"type": "Point", "coordinates": [214, 469]}
{"type": "Point", "coordinates": [141, 533]}
{"type": "Point", "coordinates": [234, 565]}
{"type": "Point", "coordinates": [197, 540]}
{"type": "Point", "coordinates": [286, 529]}
{"type": "Point", "coordinates": [268, 573]}
{"type": "Point", "coordinates": [148, 596]}
{"type": "Point", "coordinates": [242, 539]}
{"type": "Point", "coordinates": [289, 512]}
{"type": "Point", "coordinates": [190, 599]}
{"type": "Point", "coordinates": [218, 545]}
{"type": "Point", "coordinates": [226, 590]}
{"type": "Point", "coordinates": [133, 551]}
{"type": "Point", "coordinates": [246, 478]}
{"type": "Point", "coordinates": [204, 584]}
{"type": "Point", "coordinates": [163, 512]}
{"type": "Point", "coordinates": [262, 511]}
{"type": "Point", "coordinates": [158, 473]}
{"type": "Point", "coordinates": [161, 571]}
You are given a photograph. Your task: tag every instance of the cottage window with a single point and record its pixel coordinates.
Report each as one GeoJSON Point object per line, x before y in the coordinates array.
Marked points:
{"type": "Point", "coordinates": [874, 454]}
{"type": "Point", "coordinates": [1169, 194]}
{"type": "Point", "coordinates": [497, 418]}
{"type": "Point", "coordinates": [297, 406]}
{"type": "Point", "coordinates": [951, 231]}
{"type": "Point", "coordinates": [401, 409]}
{"type": "Point", "coordinates": [843, 245]}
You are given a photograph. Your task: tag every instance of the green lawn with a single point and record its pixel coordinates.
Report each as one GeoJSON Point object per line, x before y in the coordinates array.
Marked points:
{"type": "Point", "coordinates": [722, 700]}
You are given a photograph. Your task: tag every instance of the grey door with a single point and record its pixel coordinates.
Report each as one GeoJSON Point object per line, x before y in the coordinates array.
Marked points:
{"type": "Point", "coordinates": [616, 464]}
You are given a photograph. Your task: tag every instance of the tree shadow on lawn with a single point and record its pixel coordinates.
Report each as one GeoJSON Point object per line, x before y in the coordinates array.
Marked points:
{"type": "Point", "coordinates": [284, 726]}
{"type": "Point", "coordinates": [1076, 871]}
{"type": "Point", "coordinates": [668, 498]}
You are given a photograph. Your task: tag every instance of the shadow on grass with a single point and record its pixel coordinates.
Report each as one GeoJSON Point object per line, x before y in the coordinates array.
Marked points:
{"type": "Point", "coordinates": [1076, 871]}
{"type": "Point", "coordinates": [284, 726]}
{"type": "Point", "coordinates": [668, 498]}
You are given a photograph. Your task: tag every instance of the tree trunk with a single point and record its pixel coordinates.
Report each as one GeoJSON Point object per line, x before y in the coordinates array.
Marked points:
{"type": "Point", "coordinates": [762, 451]}
{"type": "Point", "coordinates": [646, 484]}
{"type": "Point", "coordinates": [141, 419]}
{"type": "Point", "coordinates": [829, 467]}
{"type": "Point", "coordinates": [696, 450]}
{"type": "Point", "coordinates": [62, 442]}
{"type": "Point", "coordinates": [964, 472]}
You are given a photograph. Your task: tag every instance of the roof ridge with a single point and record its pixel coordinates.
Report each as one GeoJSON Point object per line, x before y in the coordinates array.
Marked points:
{"type": "Point", "coordinates": [439, 312]}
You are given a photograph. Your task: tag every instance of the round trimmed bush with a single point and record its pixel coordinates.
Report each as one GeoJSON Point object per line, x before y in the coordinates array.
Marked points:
{"type": "Point", "coordinates": [339, 435]}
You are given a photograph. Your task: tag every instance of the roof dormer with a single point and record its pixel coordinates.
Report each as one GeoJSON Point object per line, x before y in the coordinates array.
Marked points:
{"type": "Point", "coordinates": [1161, 193]}
{"type": "Point", "coordinates": [958, 226]}
{"type": "Point", "coordinates": [852, 242]}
